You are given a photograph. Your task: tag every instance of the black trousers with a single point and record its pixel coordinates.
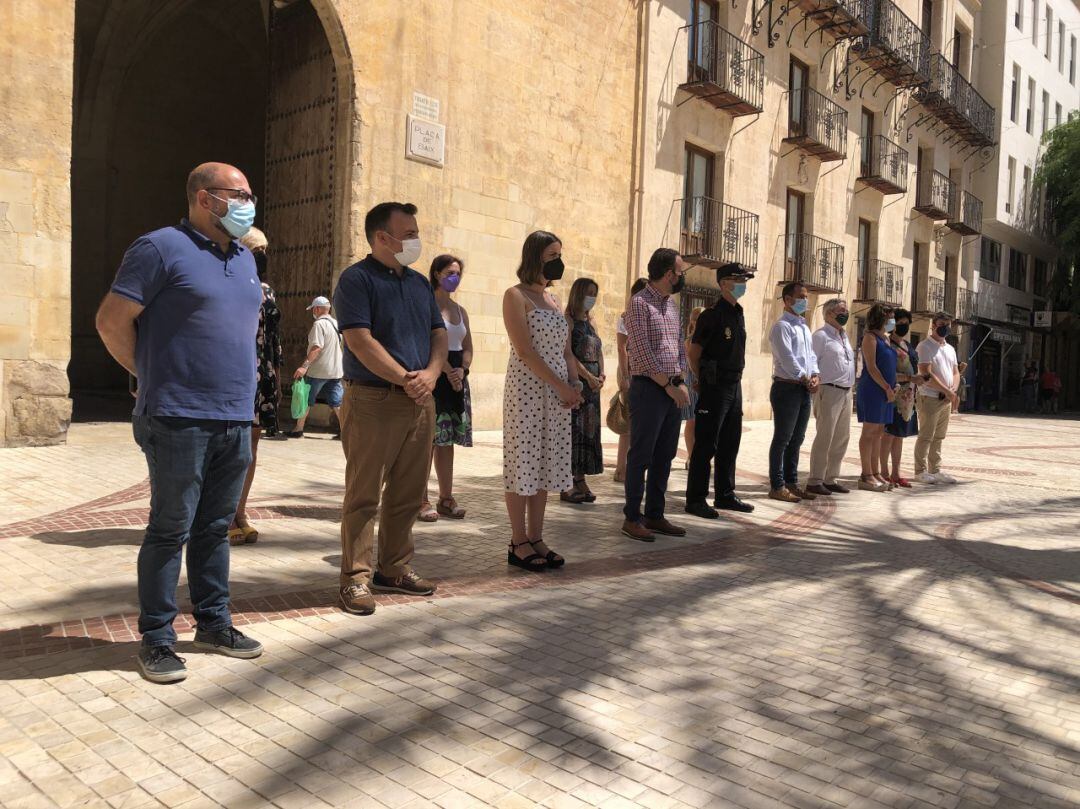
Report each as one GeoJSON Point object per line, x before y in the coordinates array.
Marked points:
{"type": "Point", "coordinates": [654, 439]}
{"type": "Point", "coordinates": [717, 435]}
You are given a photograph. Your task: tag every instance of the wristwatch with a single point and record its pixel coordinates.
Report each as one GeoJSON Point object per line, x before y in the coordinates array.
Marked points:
{"type": "Point", "coordinates": [675, 381]}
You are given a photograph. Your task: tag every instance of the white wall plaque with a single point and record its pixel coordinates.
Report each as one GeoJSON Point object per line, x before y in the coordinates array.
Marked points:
{"type": "Point", "coordinates": [425, 141]}
{"type": "Point", "coordinates": [425, 106]}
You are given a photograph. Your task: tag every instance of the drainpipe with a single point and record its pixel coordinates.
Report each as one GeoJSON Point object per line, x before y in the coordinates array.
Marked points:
{"type": "Point", "coordinates": [637, 166]}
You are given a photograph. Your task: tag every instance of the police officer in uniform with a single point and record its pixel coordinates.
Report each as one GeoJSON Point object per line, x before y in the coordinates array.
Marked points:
{"type": "Point", "coordinates": [717, 356]}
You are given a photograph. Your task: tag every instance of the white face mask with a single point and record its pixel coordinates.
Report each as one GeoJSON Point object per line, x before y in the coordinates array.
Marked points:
{"type": "Point", "coordinates": [588, 302]}
{"type": "Point", "coordinates": [410, 252]}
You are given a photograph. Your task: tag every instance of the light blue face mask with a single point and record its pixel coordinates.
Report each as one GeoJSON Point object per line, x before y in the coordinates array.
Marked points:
{"type": "Point", "coordinates": [890, 324]}
{"type": "Point", "coordinates": [238, 220]}
{"type": "Point", "coordinates": [738, 291]}
{"type": "Point", "coordinates": [799, 307]}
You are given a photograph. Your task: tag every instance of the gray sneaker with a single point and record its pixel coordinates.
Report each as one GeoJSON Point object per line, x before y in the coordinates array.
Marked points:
{"type": "Point", "coordinates": [229, 641]}
{"type": "Point", "coordinates": [160, 664]}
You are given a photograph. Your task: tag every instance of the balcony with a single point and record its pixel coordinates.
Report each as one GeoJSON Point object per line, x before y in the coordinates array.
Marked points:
{"type": "Point", "coordinates": [966, 218]}
{"type": "Point", "coordinates": [895, 47]}
{"type": "Point", "coordinates": [963, 304]}
{"type": "Point", "coordinates": [884, 165]}
{"type": "Point", "coordinates": [723, 70]}
{"type": "Point", "coordinates": [841, 19]}
{"type": "Point", "coordinates": [952, 99]}
{"type": "Point", "coordinates": [930, 296]}
{"type": "Point", "coordinates": [880, 282]}
{"type": "Point", "coordinates": [935, 195]}
{"type": "Point", "coordinates": [714, 233]}
{"type": "Point", "coordinates": [817, 125]}
{"type": "Point", "coordinates": [816, 263]}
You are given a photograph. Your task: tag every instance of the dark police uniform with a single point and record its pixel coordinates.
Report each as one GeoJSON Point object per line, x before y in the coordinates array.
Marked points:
{"type": "Point", "coordinates": [721, 332]}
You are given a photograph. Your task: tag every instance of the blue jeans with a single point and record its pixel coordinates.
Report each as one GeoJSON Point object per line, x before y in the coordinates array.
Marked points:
{"type": "Point", "coordinates": [197, 469]}
{"type": "Point", "coordinates": [331, 387]}
{"type": "Point", "coordinates": [791, 414]}
{"type": "Point", "coordinates": [655, 422]}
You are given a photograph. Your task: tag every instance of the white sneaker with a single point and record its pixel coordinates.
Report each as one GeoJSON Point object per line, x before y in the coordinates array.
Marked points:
{"type": "Point", "coordinates": [926, 477]}
{"type": "Point", "coordinates": [943, 477]}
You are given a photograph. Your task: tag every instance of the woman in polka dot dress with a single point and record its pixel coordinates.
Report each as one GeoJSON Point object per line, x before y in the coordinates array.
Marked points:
{"type": "Point", "coordinates": [541, 389]}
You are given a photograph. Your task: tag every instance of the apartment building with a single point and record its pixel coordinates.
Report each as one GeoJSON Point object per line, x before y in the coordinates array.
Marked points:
{"type": "Point", "coordinates": [828, 141]}
{"type": "Point", "coordinates": [1029, 61]}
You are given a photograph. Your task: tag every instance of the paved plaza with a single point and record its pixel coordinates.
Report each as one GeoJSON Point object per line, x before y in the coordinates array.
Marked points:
{"type": "Point", "coordinates": [903, 649]}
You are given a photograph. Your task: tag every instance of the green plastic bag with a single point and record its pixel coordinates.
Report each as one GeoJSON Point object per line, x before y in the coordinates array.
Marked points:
{"type": "Point", "coordinates": [301, 391]}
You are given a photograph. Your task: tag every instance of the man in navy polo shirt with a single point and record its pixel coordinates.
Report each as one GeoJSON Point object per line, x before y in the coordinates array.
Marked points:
{"type": "Point", "coordinates": [182, 316]}
{"type": "Point", "coordinates": [395, 347]}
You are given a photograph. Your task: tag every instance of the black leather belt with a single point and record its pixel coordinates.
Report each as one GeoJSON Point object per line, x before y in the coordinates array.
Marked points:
{"type": "Point", "coordinates": [838, 387]}
{"type": "Point", "coordinates": [363, 383]}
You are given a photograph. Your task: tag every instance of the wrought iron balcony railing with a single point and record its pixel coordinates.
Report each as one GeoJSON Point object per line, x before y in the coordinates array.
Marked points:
{"type": "Point", "coordinates": [966, 216]}
{"type": "Point", "coordinates": [963, 304]}
{"type": "Point", "coordinates": [884, 165]}
{"type": "Point", "coordinates": [895, 47]}
{"type": "Point", "coordinates": [714, 233]}
{"type": "Point", "coordinates": [817, 124]}
{"type": "Point", "coordinates": [930, 295]}
{"type": "Point", "coordinates": [841, 19]}
{"type": "Point", "coordinates": [935, 194]}
{"type": "Point", "coordinates": [815, 262]}
{"type": "Point", "coordinates": [952, 99]}
{"type": "Point", "coordinates": [881, 282]}
{"type": "Point", "coordinates": [723, 70]}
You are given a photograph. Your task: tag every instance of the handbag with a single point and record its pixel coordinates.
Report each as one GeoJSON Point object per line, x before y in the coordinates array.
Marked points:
{"type": "Point", "coordinates": [618, 414]}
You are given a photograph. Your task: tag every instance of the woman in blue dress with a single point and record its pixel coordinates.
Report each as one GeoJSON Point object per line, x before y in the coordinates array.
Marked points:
{"type": "Point", "coordinates": [875, 395]}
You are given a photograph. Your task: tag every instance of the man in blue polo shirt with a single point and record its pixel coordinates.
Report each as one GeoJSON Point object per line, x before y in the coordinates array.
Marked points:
{"type": "Point", "coordinates": [182, 316]}
{"type": "Point", "coordinates": [395, 347]}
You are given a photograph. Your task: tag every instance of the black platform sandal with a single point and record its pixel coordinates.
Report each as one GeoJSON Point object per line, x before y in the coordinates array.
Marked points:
{"type": "Point", "coordinates": [552, 559]}
{"type": "Point", "coordinates": [534, 563]}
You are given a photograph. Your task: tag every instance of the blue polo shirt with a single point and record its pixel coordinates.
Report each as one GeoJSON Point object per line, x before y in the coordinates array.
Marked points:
{"type": "Point", "coordinates": [400, 311]}
{"type": "Point", "coordinates": [195, 347]}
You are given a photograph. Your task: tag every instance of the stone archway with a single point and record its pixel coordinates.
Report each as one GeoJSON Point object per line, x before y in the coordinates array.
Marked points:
{"type": "Point", "coordinates": [263, 84]}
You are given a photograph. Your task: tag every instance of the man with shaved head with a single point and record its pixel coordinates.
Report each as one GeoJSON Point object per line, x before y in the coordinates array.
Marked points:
{"type": "Point", "coordinates": [182, 316]}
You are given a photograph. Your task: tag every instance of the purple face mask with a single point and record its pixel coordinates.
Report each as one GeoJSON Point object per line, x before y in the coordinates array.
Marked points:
{"type": "Point", "coordinates": [450, 282]}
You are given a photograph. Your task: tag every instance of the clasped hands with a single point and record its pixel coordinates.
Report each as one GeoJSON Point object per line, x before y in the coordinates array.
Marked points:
{"type": "Point", "coordinates": [419, 385]}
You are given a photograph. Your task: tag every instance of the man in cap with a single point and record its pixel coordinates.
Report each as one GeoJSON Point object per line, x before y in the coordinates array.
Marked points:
{"type": "Point", "coordinates": [322, 366]}
{"type": "Point", "coordinates": [717, 355]}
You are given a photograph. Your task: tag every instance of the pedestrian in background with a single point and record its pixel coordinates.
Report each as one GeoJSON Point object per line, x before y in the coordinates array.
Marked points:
{"type": "Point", "coordinates": [1050, 383]}
{"type": "Point", "coordinates": [1029, 386]}
{"type": "Point", "coordinates": [832, 402]}
{"type": "Point", "coordinates": [874, 404]}
{"type": "Point", "coordinates": [624, 380]}
{"type": "Point", "coordinates": [587, 456]}
{"type": "Point", "coordinates": [905, 421]}
{"type": "Point", "coordinates": [322, 366]}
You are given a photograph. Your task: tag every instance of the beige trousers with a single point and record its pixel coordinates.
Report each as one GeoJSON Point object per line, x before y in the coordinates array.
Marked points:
{"type": "Point", "coordinates": [933, 424]}
{"type": "Point", "coordinates": [832, 412]}
{"type": "Point", "coordinates": [387, 441]}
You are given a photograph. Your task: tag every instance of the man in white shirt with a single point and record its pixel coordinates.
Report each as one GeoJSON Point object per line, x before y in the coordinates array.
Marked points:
{"type": "Point", "coordinates": [795, 380]}
{"type": "Point", "coordinates": [936, 399]}
{"type": "Point", "coordinates": [322, 365]}
{"type": "Point", "coordinates": [832, 402]}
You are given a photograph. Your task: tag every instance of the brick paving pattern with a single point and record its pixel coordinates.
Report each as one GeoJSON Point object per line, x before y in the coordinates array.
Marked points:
{"type": "Point", "coordinates": [907, 649]}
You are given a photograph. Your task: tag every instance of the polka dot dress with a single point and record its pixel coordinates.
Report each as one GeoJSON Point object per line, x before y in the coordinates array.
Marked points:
{"type": "Point", "coordinates": [536, 427]}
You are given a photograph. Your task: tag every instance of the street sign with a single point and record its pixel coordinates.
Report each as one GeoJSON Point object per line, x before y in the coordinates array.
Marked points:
{"type": "Point", "coordinates": [1044, 320]}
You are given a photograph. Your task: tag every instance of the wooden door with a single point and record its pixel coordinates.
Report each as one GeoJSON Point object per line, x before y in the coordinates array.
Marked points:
{"type": "Point", "coordinates": [301, 126]}
{"type": "Point", "coordinates": [864, 292]}
{"type": "Point", "coordinates": [798, 82]}
{"type": "Point", "coordinates": [698, 213]}
{"type": "Point", "coordinates": [793, 228]}
{"type": "Point", "coordinates": [866, 133]}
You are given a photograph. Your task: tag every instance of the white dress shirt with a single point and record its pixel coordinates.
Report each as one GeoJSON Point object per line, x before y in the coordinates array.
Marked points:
{"type": "Point", "coordinates": [792, 348]}
{"type": "Point", "coordinates": [835, 357]}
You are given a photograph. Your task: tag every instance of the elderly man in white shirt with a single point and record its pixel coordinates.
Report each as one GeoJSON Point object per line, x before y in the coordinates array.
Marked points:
{"type": "Point", "coordinates": [795, 380]}
{"type": "Point", "coordinates": [936, 399]}
{"type": "Point", "coordinates": [832, 402]}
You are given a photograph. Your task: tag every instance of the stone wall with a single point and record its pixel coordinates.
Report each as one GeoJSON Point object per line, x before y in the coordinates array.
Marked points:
{"type": "Point", "coordinates": [36, 52]}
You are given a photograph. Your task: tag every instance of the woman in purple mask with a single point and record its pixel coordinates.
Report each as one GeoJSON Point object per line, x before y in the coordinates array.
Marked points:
{"type": "Point", "coordinates": [453, 409]}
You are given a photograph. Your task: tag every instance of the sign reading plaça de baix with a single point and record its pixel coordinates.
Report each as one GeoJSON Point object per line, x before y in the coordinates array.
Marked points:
{"type": "Point", "coordinates": [425, 141]}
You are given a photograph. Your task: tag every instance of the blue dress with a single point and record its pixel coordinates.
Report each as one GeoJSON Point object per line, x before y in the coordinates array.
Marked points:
{"type": "Point", "coordinates": [871, 404]}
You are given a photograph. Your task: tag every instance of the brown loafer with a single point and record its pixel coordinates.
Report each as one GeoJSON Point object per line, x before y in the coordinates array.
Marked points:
{"type": "Point", "coordinates": [819, 488]}
{"type": "Point", "coordinates": [636, 530]}
{"type": "Point", "coordinates": [662, 526]}
{"type": "Point", "coordinates": [802, 494]}
{"type": "Point", "coordinates": [783, 495]}
{"type": "Point", "coordinates": [837, 488]}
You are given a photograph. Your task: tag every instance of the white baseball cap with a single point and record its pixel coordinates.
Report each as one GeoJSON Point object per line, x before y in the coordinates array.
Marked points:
{"type": "Point", "coordinates": [320, 301]}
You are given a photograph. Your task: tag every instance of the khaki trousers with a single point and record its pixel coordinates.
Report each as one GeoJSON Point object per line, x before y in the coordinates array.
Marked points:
{"type": "Point", "coordinates": [387, 441]}
{"type": "Point", "coordinates": [933, 424]}
{"type": "Point", "coordinates": [832, 411]}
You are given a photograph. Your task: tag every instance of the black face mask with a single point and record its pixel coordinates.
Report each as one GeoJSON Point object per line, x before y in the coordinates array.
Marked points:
{"type": "Point", "coordinates": [902, 329]}
{"type": "Point", "coordinates": [554, 269]}
{"type": "Point", "coordinates": [842, 319]}
{"type": "Point", "coordinates": [260, 264]}
{"type": "Point", "coordinates": [677, 287]}
{"type": "Point", "coordinates": [943, 331]}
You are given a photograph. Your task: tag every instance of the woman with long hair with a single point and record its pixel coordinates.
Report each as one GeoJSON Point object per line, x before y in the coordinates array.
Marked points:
{"type": "Point", "coordinates": [688, 412]}
{"type": "Point", "coordinates": [875, 395]}
{"type": "Point", "coordinates": [624, 381]}
{"type": "Point", "coordinates": [905, 421]}
{"type": "Point", "coordinates": [587, 457]}
{"type": "Point", "coordinates": [453, 403]}
{"type": "Point", "coordinates": [541, 389]}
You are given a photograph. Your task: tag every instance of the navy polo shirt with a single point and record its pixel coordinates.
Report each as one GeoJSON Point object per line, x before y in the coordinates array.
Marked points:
{"type": "Point", "coordinates": [195, 344]}
{"type": "Point", "coordinates": [400, 311]}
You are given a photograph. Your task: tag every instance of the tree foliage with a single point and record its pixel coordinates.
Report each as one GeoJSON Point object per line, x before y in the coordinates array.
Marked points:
{"type": "Point", "coordinates": [1059, 172]}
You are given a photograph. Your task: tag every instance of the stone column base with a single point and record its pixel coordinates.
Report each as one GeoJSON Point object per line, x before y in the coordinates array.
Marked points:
{"type": "Point", "coordinates": [34, 406]}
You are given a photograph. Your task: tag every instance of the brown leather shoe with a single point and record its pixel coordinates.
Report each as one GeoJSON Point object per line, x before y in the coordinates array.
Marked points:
{"type": "Point", "coordinates": [636, 530]}
{"type": "Point", "coordinates": [783, 495]}
{"type": "Point", "coordinates": [819, 488]}
{"type": "Point", "coordinates": [837, 488]}
{"type": "Point", "coordinates": [357, 599]}
{"type": "Point", "coordinates": [408, 583]}
{"type": "Point", "coordinates": [662, 526]}
{"type": "Point", "coordinates": [802, 494]}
